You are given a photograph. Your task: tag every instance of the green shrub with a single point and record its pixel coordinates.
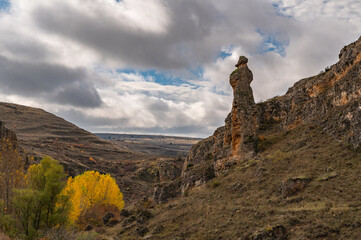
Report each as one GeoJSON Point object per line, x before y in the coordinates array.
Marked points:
{"type": "Point", "coordinates": [215, 184]}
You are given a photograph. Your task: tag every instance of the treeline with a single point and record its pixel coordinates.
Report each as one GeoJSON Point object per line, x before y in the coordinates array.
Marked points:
{"type": "Point", "coordinates": [43, 198]}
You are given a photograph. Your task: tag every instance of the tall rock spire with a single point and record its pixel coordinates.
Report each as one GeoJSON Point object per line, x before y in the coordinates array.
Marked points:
{"type": "Point", "coordinates": [243, 118]}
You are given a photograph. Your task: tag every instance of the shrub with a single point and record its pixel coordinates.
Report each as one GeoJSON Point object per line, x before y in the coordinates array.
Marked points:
{"type": "Point", "coordinates": [215, 183]}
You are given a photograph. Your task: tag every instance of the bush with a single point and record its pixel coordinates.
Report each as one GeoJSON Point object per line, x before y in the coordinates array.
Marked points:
{"type": "Point", "coordinates": [215, 183]}
{"type": "Point", "coordinates": [7, 223]}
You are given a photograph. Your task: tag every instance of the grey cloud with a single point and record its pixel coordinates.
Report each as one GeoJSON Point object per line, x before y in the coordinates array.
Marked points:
{"type": "Point", "coordinates": [158, 106]}
{"type": "Point", "coordinates": [53, 83]}
{"type": "Point", "coordinates": [195, 36]}
{"type": "Point", "coordinates": [78, 93]}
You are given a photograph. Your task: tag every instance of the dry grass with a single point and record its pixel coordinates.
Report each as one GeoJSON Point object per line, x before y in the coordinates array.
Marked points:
{"type": "Point", "coordinates": [4, 237]}
{"type": "Point", "coordinates": [326, 209]}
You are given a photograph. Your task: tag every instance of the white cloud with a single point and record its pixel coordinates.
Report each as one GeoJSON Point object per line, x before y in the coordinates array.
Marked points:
{"type": "Point", "coordinates": [92, 40]}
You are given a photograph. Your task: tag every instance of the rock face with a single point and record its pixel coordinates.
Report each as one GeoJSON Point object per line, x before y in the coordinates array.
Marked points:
{"type": "Point", "coordinates": [331, 99]}
{"type": "Point", "coordinates": [243, 124]}
{"type": "Point", "coordinates": [229, 144]}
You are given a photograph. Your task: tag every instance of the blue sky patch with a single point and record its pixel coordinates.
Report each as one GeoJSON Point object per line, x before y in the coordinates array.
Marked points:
{"type": "Point", "coordinates": [273, 43]}
{"type": "Point", "coordinates": [158, 77]}
{"type": "Point", "coordinates": [280, 11]}
{"type": "Point", "coordinates": [224, 54]}
{"type": "Point", "coordinates": [4, 4]}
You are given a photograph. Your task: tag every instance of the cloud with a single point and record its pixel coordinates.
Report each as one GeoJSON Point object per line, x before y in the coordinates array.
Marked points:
{"type": "Point", "coordinates": [48, 82]}
{"type": "Point", "coordinates": [162, 66]}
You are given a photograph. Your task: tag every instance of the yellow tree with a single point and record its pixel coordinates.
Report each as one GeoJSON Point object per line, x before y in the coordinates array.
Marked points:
{"type": "Point", "coordinates": [89, 190]}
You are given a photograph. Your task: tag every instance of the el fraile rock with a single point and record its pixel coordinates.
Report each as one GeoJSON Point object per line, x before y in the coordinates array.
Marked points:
{"type": "Point", "coordinates": [330, 99]}
{"type": "Point", "coordinates": [234, 142]}
{"type": "Point", "coordinates": [242, 128]}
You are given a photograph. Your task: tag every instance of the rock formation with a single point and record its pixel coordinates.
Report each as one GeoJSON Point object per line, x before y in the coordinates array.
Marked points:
{"type": "Point", "coordinates": [331, 99]}
{"type": "Point", "coordinates": [232, 143]}
{"type": "Point", "coordinates": [243, 124]}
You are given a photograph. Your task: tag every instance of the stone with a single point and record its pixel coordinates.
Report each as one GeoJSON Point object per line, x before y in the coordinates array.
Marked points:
{"type": "Point", "coordinates": [142, 230]}
{"type": "Point", "coordinates": [113, 222]}
{"type": "Point", "coordinates": [292, 186]}
{"type": "Point", "coordinates": [241, 61]}
{"type": "Point", "coordinates": [89, 228]}
{"type": "Point", "coordinates": [163, 192]}
{"type": "Point", "coordinates": [107, 217]}
{"type": "Point", "coordinates": [125, 213]}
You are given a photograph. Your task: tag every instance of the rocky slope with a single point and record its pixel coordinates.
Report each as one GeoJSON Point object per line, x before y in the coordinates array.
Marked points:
{"type": "Point", "coordinates": [287, 168]}
{"type": "Point", "coordinates": [39, 133]}
{"type": "Point", "coordinates": [330, 99]}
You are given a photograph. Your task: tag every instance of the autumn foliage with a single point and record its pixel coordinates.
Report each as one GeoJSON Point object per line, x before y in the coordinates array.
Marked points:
{"type": "Point", "coordinates": [89, 192]}
{"type": "Point", "coordinates": [11, 170]}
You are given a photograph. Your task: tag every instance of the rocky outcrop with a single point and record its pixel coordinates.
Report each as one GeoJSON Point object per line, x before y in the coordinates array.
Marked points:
{"type": "Point", "coordinates": [232, 143]}
{"type": "Point", "coordinates": [331, 99]}
{"type": "Point", "coordinates": [242, 128]}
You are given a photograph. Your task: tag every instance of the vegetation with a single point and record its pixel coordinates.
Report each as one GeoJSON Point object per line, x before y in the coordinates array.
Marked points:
{"type": "Point", "coordinates": [281, 187]}
{"type": "Point", "coordinates": [11, 171]}
{"type": "Point", "coordinates": [43, 202]}
{"type": "Point", "coordinates": [91, 191]}
{"type": "Point", "coordinates": [38, 204]}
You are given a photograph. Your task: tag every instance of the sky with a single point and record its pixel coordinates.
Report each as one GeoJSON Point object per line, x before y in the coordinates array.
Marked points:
{"type": "Point", "coordinates": [162, 66]}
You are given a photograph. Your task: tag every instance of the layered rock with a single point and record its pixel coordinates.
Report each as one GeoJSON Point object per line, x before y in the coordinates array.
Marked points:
{"type": "Point", "coordinates": [243, 119]}
{"type": "Point", "coordinates": [331, 99]}
{"type": "Point", "coordinates": [229, 144]}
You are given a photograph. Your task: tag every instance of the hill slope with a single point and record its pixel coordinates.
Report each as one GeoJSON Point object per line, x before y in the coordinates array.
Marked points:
{"type": "Point", "coordinates": [40, 133]}
{"type": "Point", "coordinates": [287, 168]}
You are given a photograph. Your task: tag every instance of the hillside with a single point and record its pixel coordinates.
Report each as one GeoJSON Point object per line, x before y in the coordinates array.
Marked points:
{"type": "Point", "coordinates": [40, 133]}
{"type": "Point", "coordinates": [287, 168]}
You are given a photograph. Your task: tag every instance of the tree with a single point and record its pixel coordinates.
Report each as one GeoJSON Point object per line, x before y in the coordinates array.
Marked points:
{"type": "Point", "coordinates": [23, 203]}
{"type": "Point", "coordinates": [11, 170]}
{"type": "Point", "coordinates": [48, 178]}
{"type": "Point", "coordinates": [39, 203]}
{"type": "Point", "coordinates": [89, 190]}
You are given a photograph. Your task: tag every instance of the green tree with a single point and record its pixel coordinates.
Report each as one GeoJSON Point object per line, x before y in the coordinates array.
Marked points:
{"type": "Point", "coordinates": [23, 203]}
{"type": "Point", "coordinates": [39, 205]}
{"type": "Point", "coordinates": [48, 178]}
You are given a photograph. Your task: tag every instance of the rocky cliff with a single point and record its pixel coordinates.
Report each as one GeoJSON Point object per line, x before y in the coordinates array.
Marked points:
{"type": "Point", "coordinates": [330, 99]}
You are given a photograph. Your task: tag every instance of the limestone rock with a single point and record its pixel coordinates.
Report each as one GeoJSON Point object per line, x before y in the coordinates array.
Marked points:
{"type": "Point", "coordinates": [165, 191]}
{"type": "Point", "coordinates": [331, 99]}
{"type": "Point", "coordinates": [243, 123]}
{"type": "Point", "coordinates": [234, 142]}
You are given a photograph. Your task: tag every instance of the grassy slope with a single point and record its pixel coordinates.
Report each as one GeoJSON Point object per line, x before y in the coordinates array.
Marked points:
{"type": "Point", "coordinates": [249, 197]}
